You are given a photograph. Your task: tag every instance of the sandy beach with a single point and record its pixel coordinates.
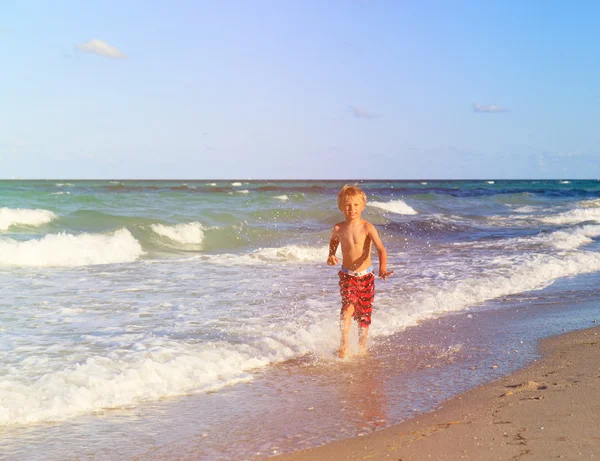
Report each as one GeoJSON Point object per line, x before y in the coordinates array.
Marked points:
{"type": "Point", "coordinates": [548, 410]}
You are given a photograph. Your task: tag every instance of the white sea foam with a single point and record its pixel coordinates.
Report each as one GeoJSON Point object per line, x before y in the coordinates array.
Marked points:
{"type": "Point", "coordinates": [245, 191]}
{"type": "Point", "coordinates": [530, 272]}
{"type": "Point", "coordinates": [593, 203]}
{"type": "Point", "coordinates": [188, 233]}
{"type": "Point", "coordinates": [149, 371]}
{"type": "Point", "coordinates": [574, 238]}
{"type": "Point", "coordinates": [525, 209]}
{"type": "Point", "coordinates": [574, 216]}
{"type": "Point", "coordinates": [292, 253]}
{"type": "Point", "coordinates": [71, 250]}
{"type": "Point", "coordinates": [236, 184]}
{"type": "Point", "coordinates": [491, 182]}
{"type": "Point", "coordinates": [211, 184]}
{"type": "Point", "coordinates": [289, 253]}
{"type": "Point", "coordinates": [21, 216]}
{"type": "Point", "coordinates": [282, 197]}
{"type": "Point", "coordinates": [394, 206]}
{"type": "Point", "coordinates": [61, 193]}
{"type": "Point", "coordinates": [567, 240]}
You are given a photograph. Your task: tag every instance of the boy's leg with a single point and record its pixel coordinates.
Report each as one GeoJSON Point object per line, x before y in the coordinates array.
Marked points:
{"type": "Point", "coordinates": [345, 323]}
{"type": "Point", "coordinates": [363, 334]}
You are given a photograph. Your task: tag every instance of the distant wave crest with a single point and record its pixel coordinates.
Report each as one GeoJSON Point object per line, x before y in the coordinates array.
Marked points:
{"type": "Point", "coordinates": [394, 206]}
{"type": "Point", "coordinates": [24, 217]}
{"type": "Point", "coordinates": [187, 233]}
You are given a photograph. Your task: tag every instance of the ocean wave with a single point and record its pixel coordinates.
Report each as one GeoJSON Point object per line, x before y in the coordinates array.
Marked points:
{"type": "Point", "coordinates": [593, 203]}
{"type": "Point", "coordinates": [516, 275]}
{"type": "Point", "coordinates": [573, 216]}
{"type": "Point", "coordinates": [526, 209]}
{"type": "Point", "coordinates": [394, 206]}
{"type": "Point", "coordinates": [289, 253]}
{"type": "Point", "coordinates": [24, 217]}
{"type": "Point", "coordinates": [571, 239]}
{"type": "Point", "coordinates": [565, 240]}
{"type": "Point", "coordinates": [435, 226]}
{"type": "Point", "coordinates": [292, 253]}
{"type": "Point", "coordinates": [568, 239]}
{"type": "Point", "coordinates": [186, 234]}
{"type": "Point", "coordinates": [71, 250]}
{"type": "Point", "coordinates": [151, 371]}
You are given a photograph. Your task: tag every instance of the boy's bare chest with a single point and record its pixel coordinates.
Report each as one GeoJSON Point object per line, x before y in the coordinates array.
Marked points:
{"type": "Point", "coordinates": [354, 237]}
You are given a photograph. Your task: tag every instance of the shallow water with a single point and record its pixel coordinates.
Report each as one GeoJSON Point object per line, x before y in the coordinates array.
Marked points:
{"type": "Point", "coordinates": [310, 401]}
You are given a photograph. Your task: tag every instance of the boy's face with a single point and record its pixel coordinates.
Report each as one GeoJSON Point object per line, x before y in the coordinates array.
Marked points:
{"type": "Point", "coordinates": [353, 206]}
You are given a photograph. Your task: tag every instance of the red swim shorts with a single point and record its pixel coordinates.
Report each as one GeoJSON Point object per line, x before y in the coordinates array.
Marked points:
{"type": "Point", "coordinates": [360, 292]}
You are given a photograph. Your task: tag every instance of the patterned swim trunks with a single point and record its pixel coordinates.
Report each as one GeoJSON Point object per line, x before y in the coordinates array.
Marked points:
{"type": "Point", "coordinates": [360, 292]}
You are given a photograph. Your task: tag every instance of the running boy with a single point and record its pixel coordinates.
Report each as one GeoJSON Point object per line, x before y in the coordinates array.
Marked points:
{"type": "Point", "coordinates": [357, 281]}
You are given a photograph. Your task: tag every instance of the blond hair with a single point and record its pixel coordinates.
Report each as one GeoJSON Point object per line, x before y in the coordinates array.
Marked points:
{"type": "Point", "coordinates": [350, 191]}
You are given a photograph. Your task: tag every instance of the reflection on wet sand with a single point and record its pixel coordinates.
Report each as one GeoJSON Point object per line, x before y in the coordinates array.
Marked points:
{"type": "Point", "coordinates": [361, 393]}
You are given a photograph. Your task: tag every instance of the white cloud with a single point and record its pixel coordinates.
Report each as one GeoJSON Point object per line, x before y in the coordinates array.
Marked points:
{"type": "Point", "coordinates": [101, 48]}
{"type": "Point", "coordinates": [359, 112]}
{"type": "Point", "coordinates": [488, 109]}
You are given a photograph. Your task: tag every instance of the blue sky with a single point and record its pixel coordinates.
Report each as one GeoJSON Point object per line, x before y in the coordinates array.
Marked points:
{"type": "Point", "coordinates": [299, 89]}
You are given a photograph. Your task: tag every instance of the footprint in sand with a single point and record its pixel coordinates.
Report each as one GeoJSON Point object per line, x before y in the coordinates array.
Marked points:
{"type": "Point", "coordinates": [525, 386]}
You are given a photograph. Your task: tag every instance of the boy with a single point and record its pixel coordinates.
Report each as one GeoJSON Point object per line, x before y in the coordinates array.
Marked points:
{"type": "Point", "coordinates": [357, 281]}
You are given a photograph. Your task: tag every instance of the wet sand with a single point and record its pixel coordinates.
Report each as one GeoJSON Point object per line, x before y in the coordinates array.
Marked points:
{"type": "Point", "coordinates": [548, 410]}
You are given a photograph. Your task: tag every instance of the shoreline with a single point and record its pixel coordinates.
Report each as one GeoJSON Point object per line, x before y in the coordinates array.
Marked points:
{"type": "Point", "coordinates": [548, 409]}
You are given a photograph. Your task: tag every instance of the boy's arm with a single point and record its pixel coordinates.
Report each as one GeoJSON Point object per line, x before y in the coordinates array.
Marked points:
{"type": "Point", "coordinates": [381, 252]}
{"type": "Point", "coordinates": [333, 245]}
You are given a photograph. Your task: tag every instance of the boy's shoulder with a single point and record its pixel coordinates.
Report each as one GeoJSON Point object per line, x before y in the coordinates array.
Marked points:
{"type": "Point", "coordinates": [338, 226]}
{"type": "Point", "coordinates": [367, 224]}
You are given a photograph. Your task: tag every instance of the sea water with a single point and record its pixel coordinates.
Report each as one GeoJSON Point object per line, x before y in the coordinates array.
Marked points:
{"type": "Point", "coordinates": [119, 296]}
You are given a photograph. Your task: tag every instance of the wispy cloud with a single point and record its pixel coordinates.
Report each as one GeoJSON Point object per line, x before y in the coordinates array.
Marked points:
{"type": "Point", "coordinates": [488, 109]}
{"type": "Point", "coordinates": [360, 112]}
{"type": "Point", "coordinates": [567, 154]}
{"type": "Point", "coordinates": [101, 48]}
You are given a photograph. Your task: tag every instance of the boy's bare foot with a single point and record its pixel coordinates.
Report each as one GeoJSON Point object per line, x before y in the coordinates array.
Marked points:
{"type": "Point", "coordinates": [343, 352]}
{"type": "Point", "coordinates": [363, 350]}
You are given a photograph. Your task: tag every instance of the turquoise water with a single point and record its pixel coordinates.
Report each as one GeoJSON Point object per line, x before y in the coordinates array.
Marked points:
{"type": "Point", "coordinates": [119, 294]}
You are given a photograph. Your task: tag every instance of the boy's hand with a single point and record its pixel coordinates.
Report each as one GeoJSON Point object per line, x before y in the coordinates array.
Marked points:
{"type": "Point", "coordinates": [332, 260]}
{"type": "Point", "coordinates": [383, 274]}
